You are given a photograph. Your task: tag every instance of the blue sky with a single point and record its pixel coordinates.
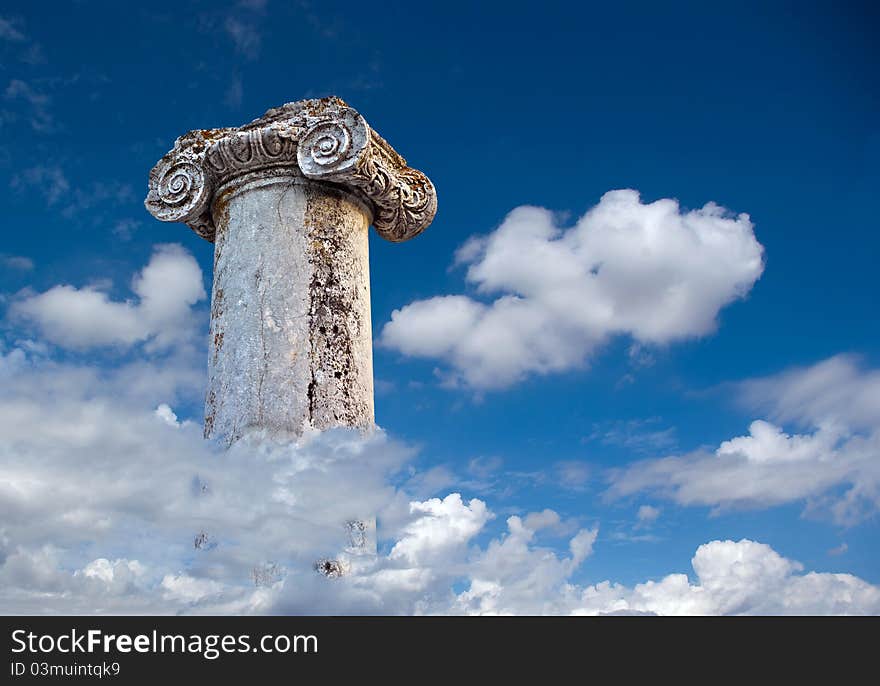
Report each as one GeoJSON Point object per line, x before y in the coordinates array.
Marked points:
{"type": "Point", "coordinates": [766, 110]}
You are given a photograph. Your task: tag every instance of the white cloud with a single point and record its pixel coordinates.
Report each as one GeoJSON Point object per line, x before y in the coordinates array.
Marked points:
{"type": "Point", "coordinates": [11, 362]}
{"type": "Point", "coordinates": [741, 577]}
{"type": "Point", "coordinates": [37, 103]}
{"type": "Point", "coordinates": [92, 481]}
{"type": "Point", "coordinates": [50, 180]}
{"type": "Point", "coordinates": [86, 199]}
{"type": "Point", "coordinates": [839, 550]}
{"type": "Point", "coordinates": [649, 271]}
{"type": "Point", "coordinates": [187, 589]}
{"type": "Point", "coordinates": [118, 577]}
{"type": "Point", "coordinates": [572, 474]}
{"type": "Point", "coordinates": [427, 482]}
{"type": "Point", "coordinates": [834, 465]}
{"type": "Point", "coordinates": [484, 467]}
{"type": "Point", "coordinates": [81, 318]}
{"type": "Point", "coordinates": [647, 514]}
{"type": "Point", "coordinates": [441, 526]}
{"type": "Point", "coordinates": [164, 413]}
{"type": "Point", "coordinates": [244, 34]}
{"type": "Point", "coordinates": [104, 489]}
{"type": "Point", "coordinates": [636, 435]}
{"type": "Point", "coordinates": [838, 390]}
{"type": "Point", "coordinates": [546, 519]}
{"type": "Point", "coordinates": [234, 92]}
{"type": "Point", "coordinates": [514, 576]}
{"type": "Point", "coordinates": [9, 32]}
{"type": "Point", "coordinates": [17, 262]}
{"type": "Point", "coordinates": [125, 228]}
{"type": "Point", "coordinates": [768, 443]}
{"type": "Point", "coordinates": [90, 475]}
{"type": "Point", "coordinates": [27, 51]}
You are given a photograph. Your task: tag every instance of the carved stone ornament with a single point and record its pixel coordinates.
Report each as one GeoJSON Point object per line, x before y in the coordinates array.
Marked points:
{"type": "Point", "coordinates": [325, 139]}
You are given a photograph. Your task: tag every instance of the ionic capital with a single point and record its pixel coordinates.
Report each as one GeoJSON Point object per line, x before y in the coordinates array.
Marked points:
{"type": "Point", "coordinates": [325, 140]}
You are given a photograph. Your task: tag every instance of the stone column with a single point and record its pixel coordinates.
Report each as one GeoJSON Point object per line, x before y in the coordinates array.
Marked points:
{"type": "Point", "coordinates": [287, 201]}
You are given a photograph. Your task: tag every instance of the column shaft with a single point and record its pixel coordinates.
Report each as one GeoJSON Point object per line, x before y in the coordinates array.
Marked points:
{"type": "Point", "coordinates": [291, 342]}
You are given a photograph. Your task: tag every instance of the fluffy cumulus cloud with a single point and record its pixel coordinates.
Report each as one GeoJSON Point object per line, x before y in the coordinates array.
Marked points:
{"type": "Point", "coordinates": [514, 576]}
{"type": "Point", "coordinates": [109, 502]}
{"type": "Point", "coordinates": [651, 271]}
{"type": "Point", "coordinates": [440, 527]}
{"type": "Point", "coordinates": [839, 390]}
{"type": "Point", "coordinates": [80, 318]}
{"type": "Point", "coordinates": [102, 485]}
{"type": "Point", "coordinates": [742, 577]}
{"type": "Point", "coordinates": [832, 463]}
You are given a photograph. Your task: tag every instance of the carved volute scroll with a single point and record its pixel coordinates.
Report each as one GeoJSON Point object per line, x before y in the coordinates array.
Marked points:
{"type": "Point", "coordinates": [324, 139]}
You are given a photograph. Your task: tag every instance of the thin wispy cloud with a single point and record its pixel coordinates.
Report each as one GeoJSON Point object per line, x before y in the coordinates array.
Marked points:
{"type": "Point", "coordinates": [647, 515]}
{"type": "Point", "coordinates": [634, 435]}
{"type": "Point", "coordinates": [17, 262]}
{"type": "Point", "coordinates": [49, 180]}
{"type": "Point", "coordinates": [86, 200]}
{"type": "Point", "coordinates": [832, 467]}
{"type": "Point", "coordinates": [36, 105]}
{"type": "Point", "coordinates": [10, 32]}
{"type": "Point", "coordinates": [244, 35]}
{"type": "Point", "coordinates": [241, 25]}
{"type": "Point", "coordinates": [234, 92]}
{"type": "Point", "coordinates": [572, 475]}
{"type": "Point", "coordinates": [18, 43]}
{"type": "Point", "coordinates": [126, 228]}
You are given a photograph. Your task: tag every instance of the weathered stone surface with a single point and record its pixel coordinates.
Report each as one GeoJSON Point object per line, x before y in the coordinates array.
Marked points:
{"type": "Point", "coordinates": [325, 139]}
{"type": "Point", "coordinates": [287, 200]}
{"type": "Point", "coordinates": [290, 311]}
